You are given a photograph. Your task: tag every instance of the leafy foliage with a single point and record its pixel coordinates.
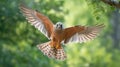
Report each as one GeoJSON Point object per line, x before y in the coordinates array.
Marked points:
{"type": "Point", "coordinates": [18, 39]}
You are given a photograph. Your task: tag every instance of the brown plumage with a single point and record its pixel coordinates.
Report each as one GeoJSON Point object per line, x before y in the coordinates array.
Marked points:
{"type": "Point", "coordinates": [57, 34]}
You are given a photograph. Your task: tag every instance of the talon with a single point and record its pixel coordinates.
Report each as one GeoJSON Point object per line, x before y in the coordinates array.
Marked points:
{"type": "Point", "coordinates": [58, 46]}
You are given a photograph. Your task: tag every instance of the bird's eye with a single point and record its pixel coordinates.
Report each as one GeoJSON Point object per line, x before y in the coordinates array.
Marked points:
{"type": "Point", "coordinates": [61, 26]}
{"type": "Point", "coordinates": [57, 25]}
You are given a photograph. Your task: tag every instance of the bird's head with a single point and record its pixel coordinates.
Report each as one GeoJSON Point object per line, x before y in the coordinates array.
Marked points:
{"type": "Point", "coordinates": [59, 26]}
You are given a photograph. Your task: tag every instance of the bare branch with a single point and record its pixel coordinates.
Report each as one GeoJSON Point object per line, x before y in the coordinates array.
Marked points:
{"type": "Point", "coordinates": [115, 3]}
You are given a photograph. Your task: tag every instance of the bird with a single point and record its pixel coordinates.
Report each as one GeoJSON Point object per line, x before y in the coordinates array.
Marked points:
{"type": "Point", "coordinates": [57, 34]}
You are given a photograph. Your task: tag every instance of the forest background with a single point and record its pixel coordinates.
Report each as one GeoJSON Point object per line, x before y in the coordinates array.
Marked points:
{"type": "Point", "coordinates": [18, 39]}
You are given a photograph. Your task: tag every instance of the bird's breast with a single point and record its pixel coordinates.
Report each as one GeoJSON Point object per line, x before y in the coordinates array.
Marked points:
{"type": "Point", "coordinates": [58, 35]}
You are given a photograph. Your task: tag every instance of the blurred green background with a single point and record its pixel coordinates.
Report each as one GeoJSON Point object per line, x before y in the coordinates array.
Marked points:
{"type": "Point", "coordinates": [18, 39]}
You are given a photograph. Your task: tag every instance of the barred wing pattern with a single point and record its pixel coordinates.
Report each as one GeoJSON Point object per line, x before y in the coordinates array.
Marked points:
{"type": "Point", "coordinates": [81, 33]}
{"type": "Point", "coordinates": [38, 20]}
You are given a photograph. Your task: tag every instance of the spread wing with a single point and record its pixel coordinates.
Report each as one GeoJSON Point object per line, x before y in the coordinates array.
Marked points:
{"type": "Point", "coordinates": [81, 33]}
{"type": "Point", "coordinates": [38, 20]}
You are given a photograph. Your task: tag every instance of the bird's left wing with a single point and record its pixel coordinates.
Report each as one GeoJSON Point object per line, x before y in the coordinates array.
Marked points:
{"type": "Point", "coordinates": [81, 33]}
{"type": "Point", "coordinates": [38, 20]}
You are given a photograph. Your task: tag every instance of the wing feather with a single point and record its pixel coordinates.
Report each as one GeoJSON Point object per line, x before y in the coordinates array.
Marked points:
{"type": "Point", "coordinates": [38, 20]}
{"type": "Point", "coordinates": [81, 33]}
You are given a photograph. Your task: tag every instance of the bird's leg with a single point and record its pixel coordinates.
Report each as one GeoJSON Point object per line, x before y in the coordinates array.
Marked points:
{"type": "Point", "coordinates": [58, 46]}
{"type": "Point", "coordinates": [52, 44]}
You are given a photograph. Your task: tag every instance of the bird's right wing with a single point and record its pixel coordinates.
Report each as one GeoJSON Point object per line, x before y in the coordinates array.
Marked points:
{"type": "Point", "coordinates": [38, 20]}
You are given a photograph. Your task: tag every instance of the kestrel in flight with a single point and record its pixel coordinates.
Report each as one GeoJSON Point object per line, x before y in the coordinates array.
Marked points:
{"type": "Point", "coordinates": [57, 34]}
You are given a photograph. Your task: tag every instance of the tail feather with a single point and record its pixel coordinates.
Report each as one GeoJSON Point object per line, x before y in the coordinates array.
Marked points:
{"type": "Point", "coordinates": [51, 52]}
{"type": "Point", "coordinates": [46, 49]}
{"type": "Point", "coordinates": [60, 54]}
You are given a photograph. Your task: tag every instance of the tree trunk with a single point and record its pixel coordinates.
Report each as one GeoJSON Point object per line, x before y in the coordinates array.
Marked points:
{"type": "Point", "coordinates": [115, 22]}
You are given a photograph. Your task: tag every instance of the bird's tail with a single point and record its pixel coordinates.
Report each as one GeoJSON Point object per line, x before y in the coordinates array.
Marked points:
{"type": "Point", "coordinates": [52, 52]}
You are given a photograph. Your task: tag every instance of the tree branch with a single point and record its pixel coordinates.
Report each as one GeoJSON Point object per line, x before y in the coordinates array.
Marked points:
{"type": "Point", "coordinates": [115, 3]}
